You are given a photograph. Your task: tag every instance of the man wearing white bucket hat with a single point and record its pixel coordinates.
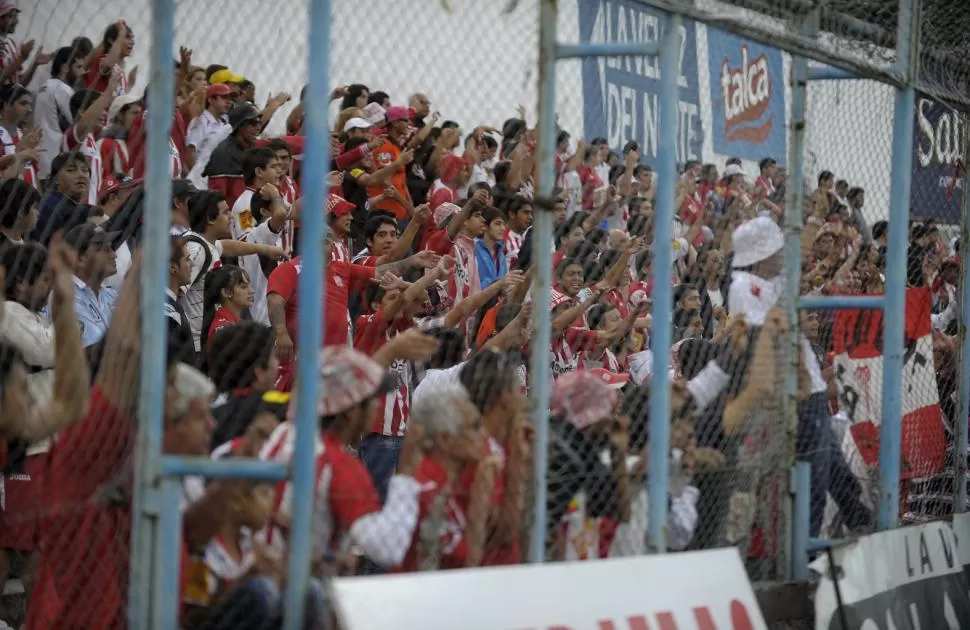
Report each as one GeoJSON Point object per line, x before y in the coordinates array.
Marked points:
{"type": "Point", "coordinates": [757, 285]}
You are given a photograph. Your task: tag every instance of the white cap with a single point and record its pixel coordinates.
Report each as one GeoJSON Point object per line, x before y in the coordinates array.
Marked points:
{"type": "Point", "coordinates": [120, 103]}
{"type": "Point", "coordinates": [733, 169]}
{"type": "Point", "coordinates": [356, 123]}
{"type": "Point", "coordinates": [756, 240]}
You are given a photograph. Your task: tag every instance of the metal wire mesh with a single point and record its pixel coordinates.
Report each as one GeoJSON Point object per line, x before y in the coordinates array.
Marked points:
{"type": "Point", "coordinates": [454, 415]}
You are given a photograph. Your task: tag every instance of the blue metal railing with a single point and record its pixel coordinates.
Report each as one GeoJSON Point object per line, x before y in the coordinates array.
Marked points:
{"type": "Point", "coordinates": [157, 526]}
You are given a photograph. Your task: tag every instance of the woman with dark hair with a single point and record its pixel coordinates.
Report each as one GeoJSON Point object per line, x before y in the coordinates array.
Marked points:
{"type": "Point", "coordinates": [227, 296]}
{"type": "Point", "coordinates": [356, 96]}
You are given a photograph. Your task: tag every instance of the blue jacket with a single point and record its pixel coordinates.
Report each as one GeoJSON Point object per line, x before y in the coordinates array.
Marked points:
{"type": "Point", "coordinates": [488, 270]}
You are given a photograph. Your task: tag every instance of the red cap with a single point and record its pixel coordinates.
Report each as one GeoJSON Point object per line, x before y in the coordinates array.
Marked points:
{"type": "Point", "coordinates": [450, 166]}
{"type": "Point", "coordinates": [109, 185]}
{"type": "Point", "coordinates": [338, 206]}
{"type": "Point", "coordinates": [610, 379]}
{"type": "Point", "coordinates": [218, 89]}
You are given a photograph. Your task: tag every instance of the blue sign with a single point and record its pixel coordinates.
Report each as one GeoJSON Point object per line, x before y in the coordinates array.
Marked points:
{"type": "Point", "coordinates": [621, 94]}
{"type": "Point", "coordinates": [747, 98]}
{"type": "Point", "coordinates": [938, 179]}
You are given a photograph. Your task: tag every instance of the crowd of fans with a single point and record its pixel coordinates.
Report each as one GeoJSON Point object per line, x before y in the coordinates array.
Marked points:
{"type": "Point", "coordinates": [423, 454]}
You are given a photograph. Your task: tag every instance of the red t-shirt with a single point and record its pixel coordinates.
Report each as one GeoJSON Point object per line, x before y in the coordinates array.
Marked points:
{"type": "Point", "coordinates": [452, 548]}
{"type": "Point", "coordinates": [86, 547]}
{"type": "Point", "coordinates": [284, 282]}
{"type": "Point", "coordinates": [591, 183]}
{"type": "Point", "coordinates": [96, 80]}
{"type": "Point", "coordinates": [223, 317]}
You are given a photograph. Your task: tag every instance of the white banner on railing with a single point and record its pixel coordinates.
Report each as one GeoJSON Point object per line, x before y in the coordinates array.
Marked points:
{"type": "Point", "coordinates": [904, 579]}
{"type": "Point", "coordinates": [703, 590]}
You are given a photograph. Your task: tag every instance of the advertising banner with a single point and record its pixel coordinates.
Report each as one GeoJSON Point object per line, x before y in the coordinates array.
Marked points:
{"type": "Point", "coordinates": [702, 590]}
{"type": "Point", "coordinates": [747, 98]}
{"type": "Point", "coordinates": [621, 94]}
{"type": "Point", "coordinates": [939, 174]}
{"type": "Point", "coordinates": [902, 579]}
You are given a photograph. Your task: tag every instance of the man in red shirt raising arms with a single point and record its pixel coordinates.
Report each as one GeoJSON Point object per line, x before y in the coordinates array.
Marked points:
{"type": "Point", "coordinates": [282, 299]}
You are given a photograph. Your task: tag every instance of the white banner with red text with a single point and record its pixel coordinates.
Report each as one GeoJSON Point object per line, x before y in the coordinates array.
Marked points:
{"type": "Point", "coordinates": [702, 590]}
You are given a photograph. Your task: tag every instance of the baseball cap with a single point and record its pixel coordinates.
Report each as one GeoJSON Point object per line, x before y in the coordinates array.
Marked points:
{"type": "Point", "coordinates": [356, 123]}
{"type": "Point", "coordinates": [110, 185]}
{"type": "Point", "coordinates": [397, 113]}
{"type": "Point", "coordinates": [81, 237]}
{"type": "Point", "coordinates": [183, 188]}
{"type": "Point", "coordinates": [226, 76]}
{"type": "Point", "coordinates": [348, 378]}
{"type": "Point", "coordinates": [7, 7]}
{"type": "Point", "coordinates": [582, 399]}
{"type": "Point", "coordinates": [242, 113]}
{"type": "Point", "coordinates": [218, 89]}
{"type": "Point", "coordinates": [444, 211]}
{"type": "Point", "coordinates": [610, 379]}
{"type": "Point", "coordinates": [338, 206]}
{"type": "Point", "coordinates": [733, 169]}
{"type": "Point", "coordinates": [119, 103]}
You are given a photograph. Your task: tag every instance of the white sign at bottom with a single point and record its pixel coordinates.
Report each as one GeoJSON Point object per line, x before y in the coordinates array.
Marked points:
{"type": "Point", "coordinates": [703, 590]}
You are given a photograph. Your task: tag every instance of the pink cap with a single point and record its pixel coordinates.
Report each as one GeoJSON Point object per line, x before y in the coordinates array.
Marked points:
{"type": "Point", "coordinates": [444, 211]}
{"type": "Point", "coordinates": [582, 399]}
{"type": "Point", "coordinates": [397, 113]}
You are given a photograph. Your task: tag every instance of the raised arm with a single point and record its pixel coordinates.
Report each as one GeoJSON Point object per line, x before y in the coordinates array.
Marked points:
{"type": "Point", "coordinates": [120, 371]}
{"type": "Point", "coordinates": [69, 402]}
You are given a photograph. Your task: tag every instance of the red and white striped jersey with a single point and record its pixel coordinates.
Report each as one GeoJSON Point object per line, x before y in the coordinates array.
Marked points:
{"type": "Point", "coordinates": [115, 157]}
{"type": "Point", "coordinates": [393, 409]}
{"type": "Point", "coordinates": [290, 192]}
{"type": "Point", "coordinates": [464, 279]}
{"type": "Point", "coordinates": [9, 53]}
{"type": "Point", "coordinates": [344, 491]}
{"type": "Point", "coordinates": [10, 143]}
{"type": "Point", "coordinates": [87, 147]}
{"type": "Point", "coordinates": [513, 243]}
{"type": "Point", "coordinates": [340, 252]}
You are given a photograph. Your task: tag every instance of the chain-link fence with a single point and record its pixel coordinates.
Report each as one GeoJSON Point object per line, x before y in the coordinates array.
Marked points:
{"type": "Point", "coordinates": [433, 178]}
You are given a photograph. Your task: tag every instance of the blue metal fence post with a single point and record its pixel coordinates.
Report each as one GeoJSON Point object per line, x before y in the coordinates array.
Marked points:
{"type": "Point", "coordinates": [802, 514]}
{"type": "Point", "coordinates": [660, 338]}
{"type": "Point", "coordinates": [963, 369]}
{"type": "Point", "coordinates": [153, 281]}
{"type": "Point", "coordinates": [539, 368]}
{"type": "Point", "coordinates": [793, 220]}
{"type": "Point", "coordinates": [167, 588]}
{"type": "Point", "coordinates": [309, 336]}
{"type": "Point", "coordinates": [894, 318]}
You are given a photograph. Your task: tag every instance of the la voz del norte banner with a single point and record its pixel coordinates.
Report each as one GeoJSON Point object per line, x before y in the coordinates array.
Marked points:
{"type": "Point", "coordinates": [622, 94]}
{"type": "Point", "coordinates": [747, 98]}
{"type": "Point", "coordinates": [938, 179]}
{"type": "Point", "coordinates": [911, 578]}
